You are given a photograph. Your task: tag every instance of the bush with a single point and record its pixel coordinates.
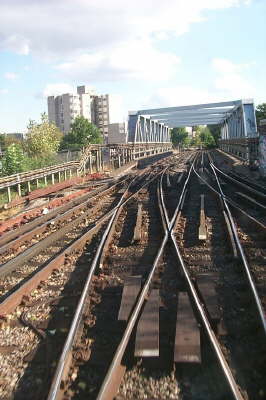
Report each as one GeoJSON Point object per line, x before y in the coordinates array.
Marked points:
{"type": "Point", "coordinates": [14, 160]}
{"type": "Point", "coordinates": [43, 138]}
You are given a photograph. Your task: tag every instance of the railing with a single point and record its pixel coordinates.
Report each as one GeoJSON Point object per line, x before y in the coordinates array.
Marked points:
{"type": "Point", "coordinates": [94, 158]}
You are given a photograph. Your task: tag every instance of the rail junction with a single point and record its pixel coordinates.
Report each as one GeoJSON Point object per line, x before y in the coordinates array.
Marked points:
{"type": "Point", "coordinates": [149, 284]}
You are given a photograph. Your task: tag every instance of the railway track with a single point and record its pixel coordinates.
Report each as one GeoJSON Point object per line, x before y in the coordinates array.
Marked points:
{"type": "Point", "coordinates": [49, 281]}
{"type": "Point", "coordinates": [152, 302]}
{"type": "Point", "coordinates": [30, 252]}
{"type": "Point", "coordinates": [203, 268]}
{"type": "Point", "coordinates": [55, 218]}
{"type": "Point", "coordinates": [248, 232]}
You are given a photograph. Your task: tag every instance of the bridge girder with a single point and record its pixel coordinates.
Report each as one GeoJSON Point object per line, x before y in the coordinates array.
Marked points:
{"type": "Point", "coordinates": [143, 129]}
{"type": "Point", "coordinates": [236, 119]}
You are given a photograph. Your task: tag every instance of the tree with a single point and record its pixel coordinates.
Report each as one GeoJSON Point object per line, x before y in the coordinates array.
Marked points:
{"type": "Point", "coordinates": [81, 134]}
{"type": "Point", "coordinates": [14, 160]}
{"type": "Point", "coordinates": [215, 130]}
{"type": "Point", "coordinates": [261, 112]}
{"type": "Point", "coordinates": [187, 141]}
{"type": "Point", "coordinates": [196, 140]}
{"type": "Point", "coordinates": [43, 139]}
{"type": "Point", "coordinates": [206, 138]}
{"type": "Point", "coordinates": [179, 136]}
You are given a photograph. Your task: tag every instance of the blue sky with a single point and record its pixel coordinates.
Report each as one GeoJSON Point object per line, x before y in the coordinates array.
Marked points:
{"type": "Point", "coordinates": [145, 54]}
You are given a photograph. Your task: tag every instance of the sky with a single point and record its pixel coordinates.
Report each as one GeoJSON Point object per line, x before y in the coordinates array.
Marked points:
{"type": "Point", "coordinates": [144, 53]}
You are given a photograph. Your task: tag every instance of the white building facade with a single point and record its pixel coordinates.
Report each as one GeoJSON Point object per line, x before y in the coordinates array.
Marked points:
{"type": "Point", "coordinates": [63, 109]}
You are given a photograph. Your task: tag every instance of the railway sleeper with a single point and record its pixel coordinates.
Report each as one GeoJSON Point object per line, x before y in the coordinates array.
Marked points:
{"type": "Point", "coordinates": [187, 342]}
{"type": "Point", "coordinates": [147, 335]}
{"type": "Point", "coordinates": [187, 338]}
{"type": "Point", "coordinates": [207, 289]}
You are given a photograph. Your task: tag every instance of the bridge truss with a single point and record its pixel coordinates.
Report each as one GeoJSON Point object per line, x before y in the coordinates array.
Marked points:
{"type": "Point", "coordinates": [237, 121]}
{"type": "Point", "coordinates": [143, 129]}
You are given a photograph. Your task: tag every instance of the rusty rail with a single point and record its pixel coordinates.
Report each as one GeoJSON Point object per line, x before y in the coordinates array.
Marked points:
{"type": "Point", "coordinates": [63, 363]}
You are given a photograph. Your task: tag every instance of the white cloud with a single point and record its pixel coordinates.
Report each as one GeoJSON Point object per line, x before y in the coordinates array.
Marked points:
{"type": "Point", "coordinates": [65, 27]}
{"type": "Point", "coordinates": [11, 76]}
{"type": "Point", "coordinates": [55, 89]}
{"type": "Point", "coordinates": [16, 43]}
{"type": "Point", "coordinates": [229, 83]}
{"type": "Point", "coordinates": [231, 78]}
{"type": "Point", "coordinates": [136, 59]}
{"type": "Point", "coordinates": [91, 40]}
{"type": "Point", "coordinates": [179, 96]}
{"type": "Point", "coordinates": [3, 91]}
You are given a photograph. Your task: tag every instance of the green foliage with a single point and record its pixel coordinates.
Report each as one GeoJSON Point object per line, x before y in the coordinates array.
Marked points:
{"type": "Point", "coordinates": [215, 130]}
{"type": "Point", "coordinates": [206, 138]}
{"type": "Point", "coordinates": [261, 112]}
{"type": "Point", "coordinates": [81, 134]}
{"type": "Point", "coordinates": [37, 151]}
{"type": "Point", "coordinates": [42, 139]}
{"type": "Point", "coordinates": [14, 160]}
{"type": "Point", "coordinates": [41, 161]}
{"type": "Point", "coordinates": [179, 136]}
{"type": "Point", "coordinates": [203, 137]}
{"type": "Point", "coordinates": [6, 140]}
{"type": "Point", "coordinates": [196, 140]}
{"type": "Point", "coordinates": [187, 141]}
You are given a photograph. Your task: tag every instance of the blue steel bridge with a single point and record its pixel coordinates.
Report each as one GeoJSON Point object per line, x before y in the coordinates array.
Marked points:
{"type": "Point", "coordinates": [239, 135]}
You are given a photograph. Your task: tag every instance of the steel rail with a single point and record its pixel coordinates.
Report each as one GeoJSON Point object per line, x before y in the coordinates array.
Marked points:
{"type": "Point", "coordinates": [226, 200]}
{"type": "Point", "coordinates": [245, 180]}
{"type": "Point", "coordinates": [248, 182]}
{"type": "Point", "coordinates": [231, 202]}
{"type": "Point", "coordinates": [164, 213]}
{"type": "Point", "coordinates": [13, 234]}
{"type": "Point", "coordinates": [32, 251]}
{"type": "Point", "coordinates": [106, 387]}
{"type": "Point", "coordinates": [234, 205]}
{"type": "Point", "coordinates": [13, 299]}
{"type": "Point", "coordinates": [243, 256]}
{"type": "Point", "coordinates": [28, 230]}
{"type": "Point", "coordinates": [245, 186]}
{"type": "Point", "coordinates": [60, 370]}
{"type": "Point", "coordinates": [214, 342]}
{"type": "Point", "coordinates": [107, 391]}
